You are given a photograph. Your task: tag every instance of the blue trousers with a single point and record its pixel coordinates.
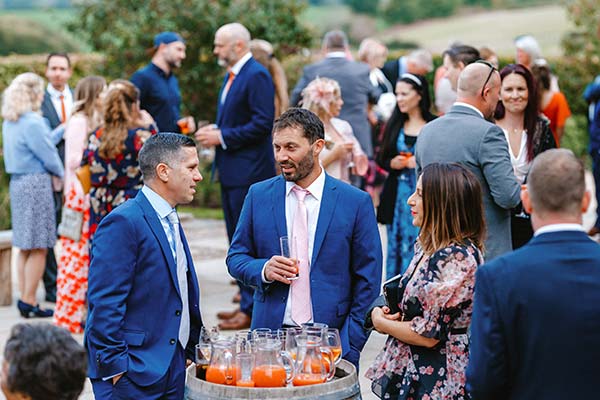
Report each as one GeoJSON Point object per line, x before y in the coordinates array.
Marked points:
{"type": "Point", "coordinates": [233, 200]}
{"type": "Point", "coordinates": [170, 387]}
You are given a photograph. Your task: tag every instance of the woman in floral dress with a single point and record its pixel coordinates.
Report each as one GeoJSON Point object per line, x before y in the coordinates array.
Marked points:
{"type": "Point", "coordinates": [426, 354]}
{"type": "Point", "coordinates": [73, 262]}
{"type": "Point", "coordinates": [113, 148]}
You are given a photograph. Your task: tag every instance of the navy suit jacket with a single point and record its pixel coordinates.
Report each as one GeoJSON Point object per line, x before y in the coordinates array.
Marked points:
{"type": "Point", "coordinates": [346, 263]}
{"type": "Point", "coordinates": [49, 112]}
{"type": "Point", "coordinates": [134, 302]}
{"type": "Point", "coordinates": [535, 332]}
{"type": "Point", "coordinates": [246, 121]}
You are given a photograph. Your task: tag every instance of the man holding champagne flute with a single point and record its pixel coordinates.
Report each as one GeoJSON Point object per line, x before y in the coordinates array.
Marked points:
{"type": "Point", "coordinates": [336, 249]}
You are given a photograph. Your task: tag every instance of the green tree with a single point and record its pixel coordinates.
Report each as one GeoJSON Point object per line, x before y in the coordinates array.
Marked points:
{"type": "Point", "coordinates": [582, 51]}
{"type": "Point", "coordinates": [123, 31]}
{"type": "Point", "coordinates": [364, 6]}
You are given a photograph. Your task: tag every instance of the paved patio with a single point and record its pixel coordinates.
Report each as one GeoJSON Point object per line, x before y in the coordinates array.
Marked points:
{"type": "Point", "coordinates": [208, 244]}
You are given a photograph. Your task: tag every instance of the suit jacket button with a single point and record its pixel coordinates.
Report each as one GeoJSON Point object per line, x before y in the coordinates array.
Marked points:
{"type": "Point", "coordinates": [178, 313]}
{"type": "Point", "coordinates": [172, 341]}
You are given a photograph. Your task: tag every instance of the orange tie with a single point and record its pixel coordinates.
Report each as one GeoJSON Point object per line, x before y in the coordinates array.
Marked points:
{"type": "Point", "coordinates": [63, 112]}
{"type": "Point", "coordinates": [229, 82]}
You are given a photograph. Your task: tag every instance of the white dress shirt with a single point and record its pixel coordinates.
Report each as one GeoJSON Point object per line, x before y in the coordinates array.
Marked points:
{"type": "Point", "coordinates": [313, 206]}
{"type": "Point", "coordinates": [55, 97]}
{"type": "Point", "coordinates": [519, 162]}
{"type": "Point", "coordinates": [559, 228]}
{"type": "Point", "coordinates": [460, 103]}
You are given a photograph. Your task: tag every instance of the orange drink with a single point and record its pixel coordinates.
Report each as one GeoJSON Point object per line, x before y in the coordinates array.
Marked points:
{"type": "Point", "coordinates": [308, 379]}
{"type": "Point", "coordinates": [183, 127]}
{"type": "Point", "coordinates": [245, 383]}
{"type": "Point", "coordinates": [220, 375]}
{"type": "Point", "coordinates": [269, 376]}
{"type": "Point", "coordinates": [337, 353]}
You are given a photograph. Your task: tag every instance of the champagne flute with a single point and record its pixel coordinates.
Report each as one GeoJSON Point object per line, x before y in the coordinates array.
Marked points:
{"type": "Point", "coordinates": [289, 252]}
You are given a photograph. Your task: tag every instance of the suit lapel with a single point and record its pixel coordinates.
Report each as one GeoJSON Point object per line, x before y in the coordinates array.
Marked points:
{"type": "Point", "coordinates": [221, 106]}
{"type": "Point", "coordinates": [278, 207]}
{"type": "Point", "coordinates": [158, 231]}
{"type": "Point", "coordinates": [49, 111]}
{"type": "Point", "coordinates": [328, 203]}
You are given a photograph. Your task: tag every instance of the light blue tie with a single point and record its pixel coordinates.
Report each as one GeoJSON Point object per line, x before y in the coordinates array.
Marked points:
{"type": "Point", "coordinates": [181, 261]}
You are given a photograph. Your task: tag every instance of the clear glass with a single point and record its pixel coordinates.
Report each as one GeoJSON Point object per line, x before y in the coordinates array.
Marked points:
{"type": "Point", "coordinates": [270, 367]}
{"type": "Point", "coordinates": [288, 250]}
{"type": "Point", "coordinates": [244, 365]}
{"type": "Point", "coordinates": [314, 362]}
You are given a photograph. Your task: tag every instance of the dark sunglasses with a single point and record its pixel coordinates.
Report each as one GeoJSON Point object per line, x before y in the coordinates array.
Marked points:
{"type": "Point", "coordinates": [492, 69]}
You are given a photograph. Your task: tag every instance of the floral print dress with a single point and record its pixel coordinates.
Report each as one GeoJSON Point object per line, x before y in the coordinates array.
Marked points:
{"type": "Point", "coordinates": [114, 180]}
{"type": "Point", "coordinates": [438, 301]}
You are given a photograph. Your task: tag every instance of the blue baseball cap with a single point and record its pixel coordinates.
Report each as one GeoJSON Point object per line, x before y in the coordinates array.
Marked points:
{"type": "Point", "coordinates": [166, 38]}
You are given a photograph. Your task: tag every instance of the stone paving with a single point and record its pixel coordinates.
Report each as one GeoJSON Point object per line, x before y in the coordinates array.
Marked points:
{"type": "Point", "coordinates": [208, 244]}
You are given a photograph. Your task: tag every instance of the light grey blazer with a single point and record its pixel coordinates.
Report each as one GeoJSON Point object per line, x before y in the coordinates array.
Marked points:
{"type": "Point", "coordinates": [357, 91]}
{"type": "Point", "coordinates": [463, 136]}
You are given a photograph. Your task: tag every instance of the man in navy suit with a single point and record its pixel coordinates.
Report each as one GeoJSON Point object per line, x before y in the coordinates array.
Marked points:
{"type": "Point", "coordinates": [536, 316]}
{"type": "Point", "coordinates": [144, 316]}
{"type": "Point", "coordinates": [242, 137]}
{"type": "Point", "coordinates": [334, 237]}
{"type": "Point", "coordinates": [56, 108]}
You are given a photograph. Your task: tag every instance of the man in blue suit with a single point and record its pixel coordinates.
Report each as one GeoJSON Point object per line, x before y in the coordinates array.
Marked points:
{"type": "Point", "coordinates": [536, 316]}
{"type": "Point", "coordinates": [338, 253]}
{"type": "Point", "coordinates": [144, 316]}
{"type": "Point", "coordinates": [242, 137]}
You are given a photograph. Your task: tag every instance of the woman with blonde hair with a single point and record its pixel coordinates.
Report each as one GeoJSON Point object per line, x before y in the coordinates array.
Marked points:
{"type": "Point", "coordinates": [73, 263]}
{"type": "Point", "coordinates": [262, 51]}
{"type": "Point", "coordinates": [342, 152]}
{"type": "Point", "coordinates": [32, 160]}
{"type": "Point", "coordinates": [112, 151]}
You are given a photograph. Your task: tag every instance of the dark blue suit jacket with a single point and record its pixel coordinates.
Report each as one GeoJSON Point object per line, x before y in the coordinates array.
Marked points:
{"type": "Point", "coordinates": [346, 261]}
{"type": "Point", "coordinates": [246, 121]}
{"type": "Point", "coordinates": [134, 301]}
{"type": "Point", "coordinates": [535, 332]}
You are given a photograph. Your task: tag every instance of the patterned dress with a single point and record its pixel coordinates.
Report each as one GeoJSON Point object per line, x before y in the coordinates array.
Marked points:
{"type": "Point", "coordinates": [114, 180]}
{"type": "Point", "coordinates": [401, 233]}
{"type": "Point", "coordinates": [73, 261]}
{"type": "Point", "coordinates": [438, 302]}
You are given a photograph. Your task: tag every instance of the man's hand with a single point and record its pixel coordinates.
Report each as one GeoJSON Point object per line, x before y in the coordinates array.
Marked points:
{"type": "Point", "coordinates": [280, 268]}
{"type": "Point", "coordinates": [116, 378]}
{"type": "Point", "coordinates": [208, 136]}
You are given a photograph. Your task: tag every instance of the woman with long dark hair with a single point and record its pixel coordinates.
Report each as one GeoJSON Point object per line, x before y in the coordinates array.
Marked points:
{"type": "Point", "coordinates": [397, 157]}
{"type": "Point", "coordinates": [427, 350]}
{"type": "Point", "coordinates": [527, 133]}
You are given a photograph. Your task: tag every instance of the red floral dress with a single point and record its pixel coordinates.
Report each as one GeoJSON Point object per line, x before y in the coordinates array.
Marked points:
{"type": "Point", "coordinates": [73, 259]}
{"type": "Point", "coordinates": [438, 300]}
{"type": "Point", "coordinates": [114, 180]}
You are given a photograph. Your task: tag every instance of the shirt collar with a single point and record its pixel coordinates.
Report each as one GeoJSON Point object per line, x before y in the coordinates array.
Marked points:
{"type": "Point", "coordinates": [559, 228]}
{"type": "Point", "coordinates": [159, 71]}
{"type": "Point", "coordinates": [241, 62]}
{"type": "Point", "coordinates": [315, 188]}
{"type": "Point", "coordinates": [160, 205]}
{"type": "Point", "coordinates": [336, 54]}
{"type": "Point", "coordinates": [56, 93]}
{"type": "Point", "coordinates": [460, 103]}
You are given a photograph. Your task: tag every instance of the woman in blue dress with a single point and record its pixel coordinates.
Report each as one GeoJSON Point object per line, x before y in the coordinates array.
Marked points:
{"type": "Point", "coordinates": [397, 157]}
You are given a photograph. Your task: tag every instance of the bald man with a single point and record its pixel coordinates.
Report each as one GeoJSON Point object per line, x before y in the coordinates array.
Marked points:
{"type": "Point", "coordinates": [241, 137]}
{"type": "Point", "coordinates": [464, 135]}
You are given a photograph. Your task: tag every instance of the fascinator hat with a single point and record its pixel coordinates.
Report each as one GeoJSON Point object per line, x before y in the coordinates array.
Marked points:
{"type": "Point", "coordinates": [320, 94]}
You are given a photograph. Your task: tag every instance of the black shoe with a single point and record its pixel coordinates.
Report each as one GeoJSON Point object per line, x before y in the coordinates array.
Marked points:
{"type": "Point", "coordinates": [30, 311]}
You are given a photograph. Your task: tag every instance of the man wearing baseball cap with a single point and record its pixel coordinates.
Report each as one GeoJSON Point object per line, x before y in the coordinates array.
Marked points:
{"type": "Point", "coordinates": [159, 89]}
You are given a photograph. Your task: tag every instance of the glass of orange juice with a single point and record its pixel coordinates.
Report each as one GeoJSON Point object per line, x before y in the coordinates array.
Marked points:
{"type": "Point", "coordinates": [333, 341]}
{"type": "Point", "coordinates": [244, 365]}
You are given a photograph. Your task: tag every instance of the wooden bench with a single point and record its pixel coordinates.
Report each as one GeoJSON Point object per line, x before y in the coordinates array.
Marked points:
{"type": "Point", "coordinates": [5, 268]}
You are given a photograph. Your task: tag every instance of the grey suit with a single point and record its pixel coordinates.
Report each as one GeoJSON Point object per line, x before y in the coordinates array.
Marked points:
{"type": "Point", "coordinates": [357, 91]}
{"type": "Point", "coordinates": [464, 136]}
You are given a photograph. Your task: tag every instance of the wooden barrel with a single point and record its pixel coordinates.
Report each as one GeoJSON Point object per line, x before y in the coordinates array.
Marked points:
{"type": "Point", "coordinates": [343, 386]}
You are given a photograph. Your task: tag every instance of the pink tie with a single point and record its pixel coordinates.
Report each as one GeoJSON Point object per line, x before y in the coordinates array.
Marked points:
{"type": "Point", "coordinates": [301, 304]}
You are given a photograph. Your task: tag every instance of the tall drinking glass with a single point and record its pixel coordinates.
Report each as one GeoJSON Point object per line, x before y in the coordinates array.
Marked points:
{"type": "Point", "coordinates": [288, 250]}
